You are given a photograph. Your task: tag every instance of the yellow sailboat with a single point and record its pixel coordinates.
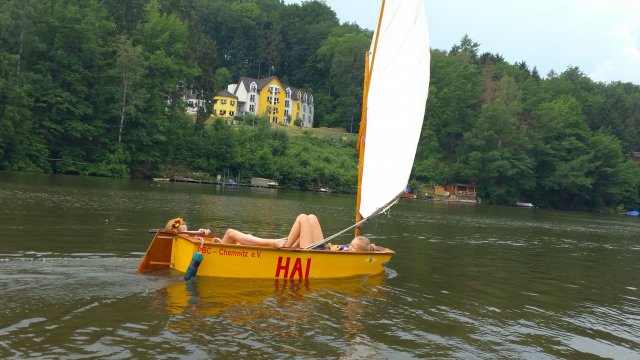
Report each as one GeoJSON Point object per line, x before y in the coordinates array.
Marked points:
{"type": "Point", "coordinates": [176, 250]}
{"type": "Point", "coordinates": [394, 98]}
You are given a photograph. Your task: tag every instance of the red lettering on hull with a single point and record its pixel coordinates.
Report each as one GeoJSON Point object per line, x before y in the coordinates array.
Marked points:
{"type": "Point", "coordinates": [204, 249]}
{"type": "Point", "coordinates": [281, 267]}
{"type": "Point", "coordinates": [296, 270]}
{"type": "Point", "coordinates": [306, 272]}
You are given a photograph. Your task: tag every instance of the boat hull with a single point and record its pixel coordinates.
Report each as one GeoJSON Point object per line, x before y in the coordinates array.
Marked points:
{"type": "Point", "coordinates": [240, 261]}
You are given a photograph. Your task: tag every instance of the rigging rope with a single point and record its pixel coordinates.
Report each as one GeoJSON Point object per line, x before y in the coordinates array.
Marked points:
{"type": "Point", "coordinates": [381, 210]}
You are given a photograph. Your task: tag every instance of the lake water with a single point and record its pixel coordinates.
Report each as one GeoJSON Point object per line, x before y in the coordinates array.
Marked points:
{"type": "Point", "coordinates": [468, 281]}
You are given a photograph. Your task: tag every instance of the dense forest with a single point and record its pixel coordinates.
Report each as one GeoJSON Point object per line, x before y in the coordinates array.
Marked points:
{"type": "Point", "coordinates": [96, 87]}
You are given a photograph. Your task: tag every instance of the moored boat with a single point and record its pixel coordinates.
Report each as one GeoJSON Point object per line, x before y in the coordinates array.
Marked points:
{"type": "Point", "coordinates": [524, 204]}
{"type": "Point", "coordinates": [408, 195]}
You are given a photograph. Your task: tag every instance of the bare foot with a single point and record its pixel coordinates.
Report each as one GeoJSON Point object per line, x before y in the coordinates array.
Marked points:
{"type": "Point", "coordinates": [206, 232]}
{"type": "Point", "coordinates": [279, 243]}
{"type": "Point", "coordinates": [216, 240]}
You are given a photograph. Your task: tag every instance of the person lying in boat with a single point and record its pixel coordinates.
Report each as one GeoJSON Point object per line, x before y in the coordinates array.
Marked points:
{"type": "Point", "coordinates": [230, 237]}
{"type": "Point", "coordinates": [305, 231]}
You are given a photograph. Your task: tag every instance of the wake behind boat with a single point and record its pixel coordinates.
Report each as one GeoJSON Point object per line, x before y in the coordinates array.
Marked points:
{"type": "Point", "coordinates": [396, 72]}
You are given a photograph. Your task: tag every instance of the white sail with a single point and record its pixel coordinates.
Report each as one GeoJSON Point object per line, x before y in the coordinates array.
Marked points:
{"type": "Point", "coordinates": [399, 73]}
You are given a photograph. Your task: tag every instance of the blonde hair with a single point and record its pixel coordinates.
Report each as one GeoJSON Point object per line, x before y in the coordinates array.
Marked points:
{"type": "Point", "coordinates": [362, 243]}
{"type": "Point", "coordinates": [174, 224]}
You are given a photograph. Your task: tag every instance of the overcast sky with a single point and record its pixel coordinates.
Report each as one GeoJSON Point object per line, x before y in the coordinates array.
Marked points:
{"type": "Point", "coordinates": [601, 37]}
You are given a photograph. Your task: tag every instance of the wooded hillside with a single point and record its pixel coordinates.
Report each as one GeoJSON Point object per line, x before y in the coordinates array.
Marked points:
{"type": "Point", "coordinates": [95, 87]}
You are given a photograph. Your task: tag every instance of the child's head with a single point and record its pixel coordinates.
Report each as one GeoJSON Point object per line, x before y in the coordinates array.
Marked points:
{"type": "Point", "coordinates": [361, 243]}
{"type": "Point", "coordinates": [177, 224]}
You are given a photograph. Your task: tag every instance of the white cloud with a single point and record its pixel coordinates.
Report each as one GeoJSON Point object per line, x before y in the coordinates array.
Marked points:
{"type": "Point", "coordinates": [622, 60]}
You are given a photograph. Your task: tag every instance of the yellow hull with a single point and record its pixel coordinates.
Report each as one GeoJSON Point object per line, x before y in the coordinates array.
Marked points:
{"type": "Point", "coordinates": [240, 261]}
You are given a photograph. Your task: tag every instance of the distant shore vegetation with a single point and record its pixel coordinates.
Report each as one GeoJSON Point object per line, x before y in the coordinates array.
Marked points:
{"type": "Point", "coordinates": [96, 87]}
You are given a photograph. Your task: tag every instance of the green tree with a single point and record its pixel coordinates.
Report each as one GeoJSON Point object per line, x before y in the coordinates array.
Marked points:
{"type": "Point", "coordinates": [126, 14]}
{"type": "Point", "coordinates": [205, 55]}
{"type": "Point", "coordinates": [611, 174]}
{"type": "Point", "coordinates": [270, 47]}
{"type": "Point", "coordinates": [15, 118]}
{"type": "Point", "coordinates": [313, 22]}
{"type": "Point", "coordinates": [453, 98]}
{"type": "Point", "coordinates": [469, 48]}
{"type": "Point", "coordinates": [563, 158]}
{"type": "Point", "coordinates": [130, 68]}
{"type": "Point", "coordinates": [70, 83]}
{"type": "Point", "coordinates": [495, 152]}
{"type": "Point", "coordinates": [222, 78]}
{"type": "Point", "coordinates": [167, 68]}
{"type": "Point", "coordinates": [233, 26]}
{"type": "Point", "coordinates": [429, 166]}
{"type": "Point", "coordinates": [620, 113]}
{"type": "Point", "coordinates": [342, 58]}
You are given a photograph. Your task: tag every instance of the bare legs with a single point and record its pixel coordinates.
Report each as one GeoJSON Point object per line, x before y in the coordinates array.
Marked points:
{"type": "Point", "coordinates": [305, 231]}
{"type": "Point", "coordinates": [236, 237]}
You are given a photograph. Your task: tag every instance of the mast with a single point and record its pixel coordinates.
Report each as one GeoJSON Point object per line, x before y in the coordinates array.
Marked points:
{"type": "Point", "coordinates": [362, 131]}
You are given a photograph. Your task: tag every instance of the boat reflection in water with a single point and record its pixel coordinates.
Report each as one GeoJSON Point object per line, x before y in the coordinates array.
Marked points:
{"type": "Point", "coordinates": [204, 305]}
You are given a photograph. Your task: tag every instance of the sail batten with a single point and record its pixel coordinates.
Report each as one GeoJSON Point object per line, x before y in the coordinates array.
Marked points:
{"type": "Point", "coordinates": [395, 102]}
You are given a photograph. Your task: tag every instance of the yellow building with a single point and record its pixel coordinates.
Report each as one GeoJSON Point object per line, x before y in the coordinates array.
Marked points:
{"type": "Point", "coordinates": [225, 104]}
{"type": "Point", "coordinates": [281, 103]}
{"type": "Point", "coordinates": [271, 101]}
